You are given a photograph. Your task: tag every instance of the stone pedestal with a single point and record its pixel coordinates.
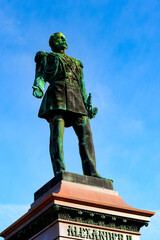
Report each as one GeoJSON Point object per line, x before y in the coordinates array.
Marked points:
{"type": "Point", "coordinates": [73, 206]}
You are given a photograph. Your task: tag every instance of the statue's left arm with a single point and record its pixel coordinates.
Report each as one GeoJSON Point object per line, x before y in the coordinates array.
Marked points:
{"type": "Point", "coordinates": [83, 89]}
{"type": "Point", "coordinates": [87, 100]}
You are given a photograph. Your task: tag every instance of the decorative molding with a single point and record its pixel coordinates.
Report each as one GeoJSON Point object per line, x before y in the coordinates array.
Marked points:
{"type": "Point", "coordinates": [76, 215]}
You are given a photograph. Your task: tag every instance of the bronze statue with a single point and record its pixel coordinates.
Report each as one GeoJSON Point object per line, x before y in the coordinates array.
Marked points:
{"type": "Point", "coordinates": [65, 103]}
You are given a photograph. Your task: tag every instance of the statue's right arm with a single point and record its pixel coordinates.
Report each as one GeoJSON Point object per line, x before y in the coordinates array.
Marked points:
{"type": "Point", "coordinates": [39, 82]}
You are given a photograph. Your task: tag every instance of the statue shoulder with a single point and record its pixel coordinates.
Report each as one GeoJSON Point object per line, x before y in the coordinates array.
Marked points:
{"type": "Point", "coordinates": [39, 55]}
{"type": "Point", "coordinates": [79, 63]}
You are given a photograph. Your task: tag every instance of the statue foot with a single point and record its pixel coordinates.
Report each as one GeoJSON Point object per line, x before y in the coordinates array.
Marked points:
{"type": "Point", "coordinates": [97, 175]}
{"type": "Point", "coordinates": [57, 173]}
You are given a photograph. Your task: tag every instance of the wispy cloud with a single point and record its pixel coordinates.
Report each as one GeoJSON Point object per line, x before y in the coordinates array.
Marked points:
{"type": "Point", "coordinates": [9, 213]}
{"type": "Point", "coordinates": [131, 126]}
{"type": "Point", "coordinates": [104, 97]}
{"type": "Point", "coordinates": [10, 26]}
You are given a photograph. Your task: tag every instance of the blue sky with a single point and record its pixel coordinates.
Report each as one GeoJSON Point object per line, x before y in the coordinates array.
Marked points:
{"type": "Point", "coordinates": [118, 43]}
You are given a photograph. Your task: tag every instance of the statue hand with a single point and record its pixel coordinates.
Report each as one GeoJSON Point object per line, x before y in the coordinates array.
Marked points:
{"type": "Point", "coordinates": [92, 112]}
{"type": "Point", "coordinates": [37, 93]}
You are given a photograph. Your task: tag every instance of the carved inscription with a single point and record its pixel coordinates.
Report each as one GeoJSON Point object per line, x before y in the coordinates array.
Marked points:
{"type": "Point", "coordinates": [87, 233]}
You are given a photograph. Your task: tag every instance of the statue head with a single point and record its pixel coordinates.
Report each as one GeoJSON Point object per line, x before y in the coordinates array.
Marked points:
{"type": "Point", "coordinates": [57, 42]}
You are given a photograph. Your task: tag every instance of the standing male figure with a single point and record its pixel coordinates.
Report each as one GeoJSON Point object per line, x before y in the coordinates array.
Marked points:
{"type": "Point", "coordinates": [65, 103]}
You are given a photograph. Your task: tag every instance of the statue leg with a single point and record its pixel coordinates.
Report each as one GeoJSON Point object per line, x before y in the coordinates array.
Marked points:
{"type": "Point", "coordinates": [56, 143]}
{"type": "Point", "coordinates": [82, 129]}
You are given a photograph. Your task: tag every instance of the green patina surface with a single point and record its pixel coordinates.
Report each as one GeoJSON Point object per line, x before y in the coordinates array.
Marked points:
{"type": "Point", "coordinates": [65, 103]}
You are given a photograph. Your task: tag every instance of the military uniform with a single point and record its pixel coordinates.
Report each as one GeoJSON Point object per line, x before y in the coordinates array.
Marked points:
{"type": "Point", "coordinates": [63, 105]}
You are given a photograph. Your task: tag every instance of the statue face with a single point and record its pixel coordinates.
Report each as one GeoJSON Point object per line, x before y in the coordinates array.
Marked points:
{"type": "Point", "coordinates": [60, 42]}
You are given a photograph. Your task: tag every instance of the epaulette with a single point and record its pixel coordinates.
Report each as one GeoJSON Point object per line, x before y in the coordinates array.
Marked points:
{"type": "Point", "coordinates": [39, 55]}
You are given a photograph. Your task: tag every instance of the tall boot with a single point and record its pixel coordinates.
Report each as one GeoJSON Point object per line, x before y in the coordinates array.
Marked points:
{"type": "Point", "coordinates": [56, 143]}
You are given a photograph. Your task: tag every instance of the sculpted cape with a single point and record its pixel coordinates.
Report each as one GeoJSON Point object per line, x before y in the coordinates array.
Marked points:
{"type": "Point", "coordinates": [66, 90]}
